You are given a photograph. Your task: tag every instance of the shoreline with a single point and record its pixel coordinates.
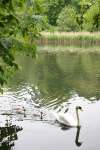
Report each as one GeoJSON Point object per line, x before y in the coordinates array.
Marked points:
{"type": "Point", "coordinates": [81, 39]}
{"type": "Point", "coordinates": [70, 49]}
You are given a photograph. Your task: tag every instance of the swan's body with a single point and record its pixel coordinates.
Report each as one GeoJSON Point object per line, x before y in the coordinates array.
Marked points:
{"type": "Point", "coordinates": [38, 115]}
{"type": "Point", "coordinates": [67, 119]}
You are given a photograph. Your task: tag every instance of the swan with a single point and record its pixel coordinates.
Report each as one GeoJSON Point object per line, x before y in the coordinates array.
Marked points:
{"type": "Point", "coordinates": [68, 120]}
{"type": "Point", "coordinates": [39, 115]}
{"type": "Point", "coordinates": [20, 110]}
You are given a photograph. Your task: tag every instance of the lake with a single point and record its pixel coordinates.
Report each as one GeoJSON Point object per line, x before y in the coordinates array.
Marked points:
{"type": "Point", "coordinates": [52, 82]}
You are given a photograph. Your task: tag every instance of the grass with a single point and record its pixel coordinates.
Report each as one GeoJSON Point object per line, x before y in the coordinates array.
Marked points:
{"type": "Point", "coordinates": [70, 38]}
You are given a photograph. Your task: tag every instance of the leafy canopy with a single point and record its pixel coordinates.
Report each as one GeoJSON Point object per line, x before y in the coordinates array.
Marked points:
{"type": "Point", "coordinates": [67, 19]}
{"type": "Point", "coordinates": [87, 14]}
{"type": "Point", "coordinates": [53, 8]}
{"type": "Point", "coordinates": [20, 24]}
{"type": "Point", "coordinates": [92, 17]}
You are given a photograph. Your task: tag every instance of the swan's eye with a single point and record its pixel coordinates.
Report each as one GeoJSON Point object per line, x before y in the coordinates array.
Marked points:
{"type": "Point", "coordinates": [81, 108]}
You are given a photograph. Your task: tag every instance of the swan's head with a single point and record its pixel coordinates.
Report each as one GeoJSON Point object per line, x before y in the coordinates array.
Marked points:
{"type": "Point", "coordinates": [79, 108]}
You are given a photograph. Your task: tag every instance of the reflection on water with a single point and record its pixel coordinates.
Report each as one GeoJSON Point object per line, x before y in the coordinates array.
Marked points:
{"type": "Point", "coordinates": [53, 82]}
{"type": "Point", "coordinates": [58, 75]}
{"type": "Point", "coordinates": [8, 134]}
{"type": "Point", "coordinates": [78, 143]}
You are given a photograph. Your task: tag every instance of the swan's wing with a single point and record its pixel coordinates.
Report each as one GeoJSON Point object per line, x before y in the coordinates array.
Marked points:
{"type": "Point", "coordinates": [67, 119]}
{"type": "Point", "coordinates": [55, 115]}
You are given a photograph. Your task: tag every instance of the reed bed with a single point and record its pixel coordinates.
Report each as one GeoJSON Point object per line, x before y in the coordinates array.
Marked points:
{"type": "Point", "coordinates": [82, 39]}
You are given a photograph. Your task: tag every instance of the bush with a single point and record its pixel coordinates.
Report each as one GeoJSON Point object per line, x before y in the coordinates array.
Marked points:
{"type": "Point", "coordinates": [92, 18]}
{"type": "Point", "coordinates": [67, 20]}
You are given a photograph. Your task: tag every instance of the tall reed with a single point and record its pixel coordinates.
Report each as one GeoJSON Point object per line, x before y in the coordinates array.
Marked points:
{"type": "Point", "coordinates": [70, 38]}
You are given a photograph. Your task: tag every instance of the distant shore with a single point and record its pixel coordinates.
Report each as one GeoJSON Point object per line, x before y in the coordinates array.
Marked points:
{"type": "Point", "coordinates": [81, 39]}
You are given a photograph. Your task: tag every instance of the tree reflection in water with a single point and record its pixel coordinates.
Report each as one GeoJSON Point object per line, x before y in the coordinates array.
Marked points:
{"type": "Point", "coordinates": [8, 135]}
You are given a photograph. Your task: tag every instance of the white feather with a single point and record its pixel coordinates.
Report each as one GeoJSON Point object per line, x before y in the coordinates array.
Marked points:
{"type": "Point", "coordinates": [67, 119]}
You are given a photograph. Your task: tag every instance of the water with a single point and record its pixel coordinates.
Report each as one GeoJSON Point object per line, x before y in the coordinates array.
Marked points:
{"type": "Point", "coordinates": [53, 82]}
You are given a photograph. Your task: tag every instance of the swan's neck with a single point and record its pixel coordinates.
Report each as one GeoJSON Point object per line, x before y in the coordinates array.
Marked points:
{"type": "Point", "coordinates": [41, 115]}
{"type": "Point", "coordinates": [77, 115]}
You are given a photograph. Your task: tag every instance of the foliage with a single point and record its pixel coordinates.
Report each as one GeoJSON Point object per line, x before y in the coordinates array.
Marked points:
{"type": "Point", "coordinates": [20, 24]}
{"type": "Point", "coordinates": [53, 8]}
{"type": "Point", "coordinates": [22, 20]}
{"type": "Point", "coordinates": [67, 19]}
{"type": "Point", "coordinates": [87, 13]}
{"type": "Point", "coordinates": [92, 18]}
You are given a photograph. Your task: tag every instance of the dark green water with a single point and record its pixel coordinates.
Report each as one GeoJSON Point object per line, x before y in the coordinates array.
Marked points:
{"type": "Point", "coordinates": [59, 80]}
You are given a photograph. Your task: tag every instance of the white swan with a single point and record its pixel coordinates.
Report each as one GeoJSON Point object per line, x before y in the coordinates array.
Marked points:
{"type": "Point", "coordinates": [67, 119]}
